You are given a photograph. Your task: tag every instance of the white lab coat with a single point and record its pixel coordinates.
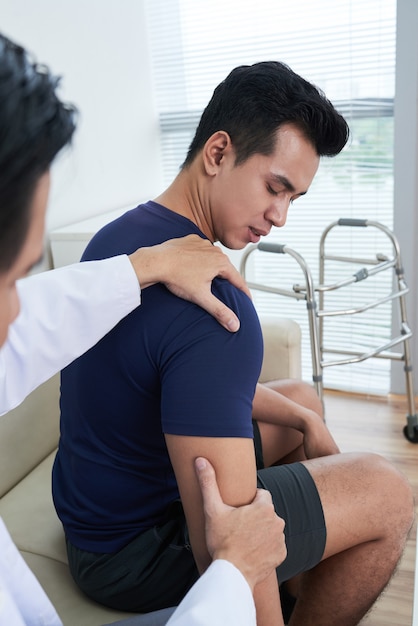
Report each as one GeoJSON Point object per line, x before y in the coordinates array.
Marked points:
{"type": "Point", "coordinates": [221, 596]}
{"type": "Point", "coordinates": [64, 312]}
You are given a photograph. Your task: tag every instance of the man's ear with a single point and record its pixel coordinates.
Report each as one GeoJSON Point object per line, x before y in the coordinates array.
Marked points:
{"type": "Point", "coordinates": [214, 150]}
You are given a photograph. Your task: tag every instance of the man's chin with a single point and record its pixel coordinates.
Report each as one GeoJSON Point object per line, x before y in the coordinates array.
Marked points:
{"type": "Point", "coordinates": [234, 244]}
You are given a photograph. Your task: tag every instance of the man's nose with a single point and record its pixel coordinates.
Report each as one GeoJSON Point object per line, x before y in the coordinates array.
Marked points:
{"type": "Point", "coordinates": [277, 213]}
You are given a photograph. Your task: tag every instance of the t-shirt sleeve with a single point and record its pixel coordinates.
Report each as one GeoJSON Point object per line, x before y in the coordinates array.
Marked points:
{"type": "Point", "coordinates": [208, 374]}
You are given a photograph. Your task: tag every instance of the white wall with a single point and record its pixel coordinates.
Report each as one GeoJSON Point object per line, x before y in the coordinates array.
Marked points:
{"type": "Point", "coordinates": [100, 49]}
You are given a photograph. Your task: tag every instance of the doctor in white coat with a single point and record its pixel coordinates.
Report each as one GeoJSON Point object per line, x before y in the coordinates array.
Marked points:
{"type": "Point", "coordinates": [49, 319]}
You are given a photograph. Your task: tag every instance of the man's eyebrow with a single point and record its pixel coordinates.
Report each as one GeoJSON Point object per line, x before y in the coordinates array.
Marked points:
{"type": "Point", "coordinates": [282, 180]}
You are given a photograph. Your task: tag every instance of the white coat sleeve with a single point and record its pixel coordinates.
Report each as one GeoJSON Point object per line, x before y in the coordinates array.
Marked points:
{"type": "Point", "coordinates": [220, 596]}
{"type": "Point", "coordinates": [23, 602]}
{"type": "Point", "coordinates": [64, 312]}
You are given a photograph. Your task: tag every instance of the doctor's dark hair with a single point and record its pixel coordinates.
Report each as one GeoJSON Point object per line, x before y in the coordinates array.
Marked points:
{"type": "Point", "coordinates": [34, 126]}
{"type": "Point", "coordinates": [254, 101]}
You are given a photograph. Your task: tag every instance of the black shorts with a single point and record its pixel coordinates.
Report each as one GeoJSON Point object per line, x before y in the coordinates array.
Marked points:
{"type": "Point", "coordinates": [157, 568]}
{"type": "Point", "coordinates": [296, 500]}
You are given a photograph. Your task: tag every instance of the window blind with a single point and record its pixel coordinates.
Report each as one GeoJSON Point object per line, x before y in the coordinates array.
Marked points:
{"type": "Point", "coordinates": [345, 47]}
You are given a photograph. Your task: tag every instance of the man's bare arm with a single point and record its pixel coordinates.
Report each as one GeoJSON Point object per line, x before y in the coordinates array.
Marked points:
{"type": "Point", "coordinates": [250, 537]}
{"type": "Point", "coordinates": [234, 463]}
{"type": "Point", "coordinates": [187, 267]}
{"type": "Point", "coordinates": [274, 408]}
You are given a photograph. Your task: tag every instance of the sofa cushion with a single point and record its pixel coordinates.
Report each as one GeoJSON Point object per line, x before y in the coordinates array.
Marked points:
{"type": "Point", "coordinates": [29, 514]}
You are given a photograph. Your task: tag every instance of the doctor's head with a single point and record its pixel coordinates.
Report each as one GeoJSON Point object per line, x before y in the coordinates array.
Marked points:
{"type": "Point", "coordinates": [34, 126]}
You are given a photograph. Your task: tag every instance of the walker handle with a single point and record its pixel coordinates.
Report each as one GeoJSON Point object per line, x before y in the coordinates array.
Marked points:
{"type": "Point", "coordinates": [348, 221]}
{"type": "Point", "coordinates": [278, 248]}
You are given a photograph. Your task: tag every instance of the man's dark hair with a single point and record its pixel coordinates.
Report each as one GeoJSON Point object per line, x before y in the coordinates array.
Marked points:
{"type": "Point", "coordinates": [255, 100]}
{"type": "Point", "coordinates": [34, 126]}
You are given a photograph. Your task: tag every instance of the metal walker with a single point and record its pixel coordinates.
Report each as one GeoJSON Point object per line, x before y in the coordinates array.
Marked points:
{"type": "Point", "coordinates": [315, 301]}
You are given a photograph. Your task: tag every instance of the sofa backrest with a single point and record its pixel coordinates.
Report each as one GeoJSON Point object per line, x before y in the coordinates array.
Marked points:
{"type": "Point", "coordinates": [282, 348]}
{"type": "Point", "coordinates": [28, 434]}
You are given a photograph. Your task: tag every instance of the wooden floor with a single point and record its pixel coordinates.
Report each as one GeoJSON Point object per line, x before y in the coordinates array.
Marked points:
{"type": "Point", "coordinates": [375, 424]}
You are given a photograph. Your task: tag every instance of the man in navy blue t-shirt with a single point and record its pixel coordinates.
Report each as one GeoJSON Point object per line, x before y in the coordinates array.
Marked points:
{"type": "Point", "coordinates": [124, 483]}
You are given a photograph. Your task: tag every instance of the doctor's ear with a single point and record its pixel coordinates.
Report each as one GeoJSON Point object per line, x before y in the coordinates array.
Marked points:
{"type": "Point", "coordinates": [214, 150]}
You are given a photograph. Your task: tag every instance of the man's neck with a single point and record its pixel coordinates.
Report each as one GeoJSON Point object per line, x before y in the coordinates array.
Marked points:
{"type": "Point", "coordinates": [186, 196]}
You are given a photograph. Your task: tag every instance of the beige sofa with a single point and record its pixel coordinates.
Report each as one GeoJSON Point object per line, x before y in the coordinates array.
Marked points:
{"type": "Point", "coordinates": [28, 440]}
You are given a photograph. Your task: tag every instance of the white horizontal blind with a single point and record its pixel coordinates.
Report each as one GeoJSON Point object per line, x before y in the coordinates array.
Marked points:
{"type": "Point", "coordinates": [347, 48]}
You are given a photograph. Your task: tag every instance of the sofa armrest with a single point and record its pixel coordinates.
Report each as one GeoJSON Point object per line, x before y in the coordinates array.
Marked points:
{"type": "Point", "coordinates": [282, 349]}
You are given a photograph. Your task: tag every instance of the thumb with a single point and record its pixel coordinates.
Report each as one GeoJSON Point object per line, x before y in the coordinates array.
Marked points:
{"type": "Point", "coordinates": [208, 486]}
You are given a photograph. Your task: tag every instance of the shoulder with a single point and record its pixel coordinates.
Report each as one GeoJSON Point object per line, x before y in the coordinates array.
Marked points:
{"type": "Point", "coordinates": [146, 225]}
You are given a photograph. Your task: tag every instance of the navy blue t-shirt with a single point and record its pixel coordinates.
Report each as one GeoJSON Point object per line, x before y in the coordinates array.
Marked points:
{"type": "Point", "coordinates": [168, 367]}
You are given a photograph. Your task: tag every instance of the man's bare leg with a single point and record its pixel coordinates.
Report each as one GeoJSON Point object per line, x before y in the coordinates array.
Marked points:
{"type": "Point", "coordinates": [368, 508]}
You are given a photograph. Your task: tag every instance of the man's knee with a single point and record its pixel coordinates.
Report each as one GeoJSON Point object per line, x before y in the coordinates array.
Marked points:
{"type": "Point", "coordinates": [389, 495]}
{"type": "Point", "coordinates": [367, 492]}
{"type": "Point", "coordinates": [397, 492]}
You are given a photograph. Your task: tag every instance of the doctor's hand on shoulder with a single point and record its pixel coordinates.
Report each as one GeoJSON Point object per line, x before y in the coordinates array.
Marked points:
{"type": "Point", "coordinates": [187, 267]}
